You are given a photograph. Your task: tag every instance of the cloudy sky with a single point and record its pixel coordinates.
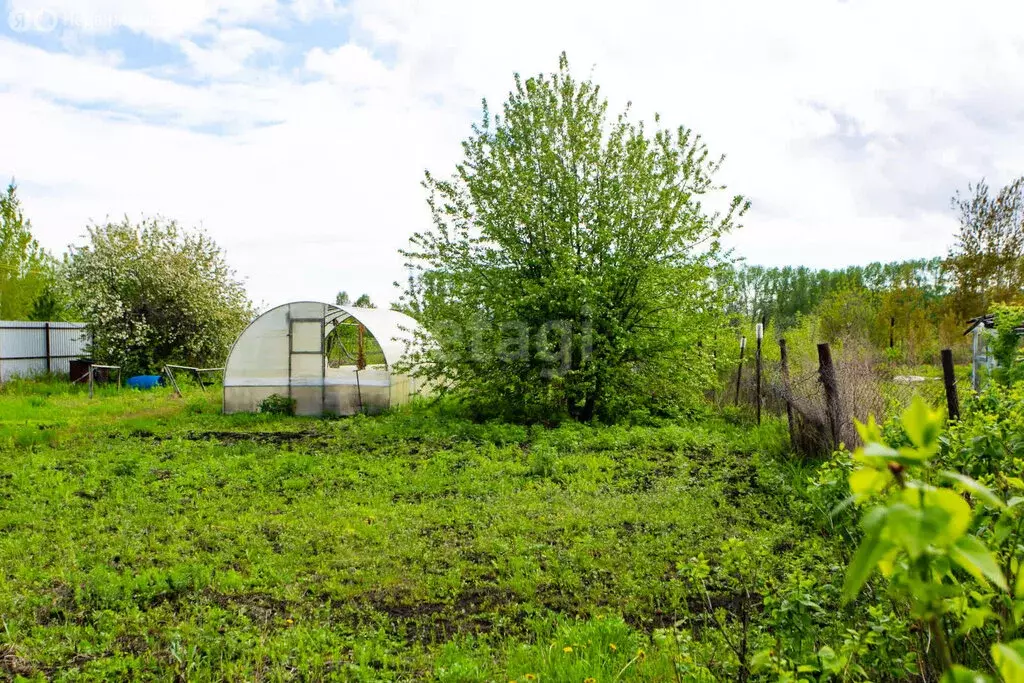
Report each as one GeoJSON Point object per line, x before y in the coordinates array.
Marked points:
{"type": "Point", "coordinates": [296, 132]}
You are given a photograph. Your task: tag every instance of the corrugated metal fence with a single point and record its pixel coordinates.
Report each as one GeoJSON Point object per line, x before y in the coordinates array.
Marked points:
{"type": "Point", "coordinates": [31, 348]}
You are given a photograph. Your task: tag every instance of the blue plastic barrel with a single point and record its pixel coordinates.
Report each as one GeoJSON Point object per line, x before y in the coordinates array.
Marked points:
{"type": "Point", "coordinates": [144, 381]}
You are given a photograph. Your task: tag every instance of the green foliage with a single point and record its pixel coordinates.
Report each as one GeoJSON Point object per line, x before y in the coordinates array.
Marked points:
{"type": "Point", "coordinates": [153, 293]}
{"type": "Point", "coordinates": [1005, 345]}
{"type": "Point", "coordinates": [848, 314]}
{"type": "Point", "coordinates": [951, 562]}
{"type": "Point", "coordinates": [569, 269]}
{"type": "Point", "coordinates": [183, 543]}
{"type": "Point", "coordinates": [342, 346]}
{"type": "Point", "coordinates": [26, 270]}
{"type": "Point", "coordinates": [276, 404]}
{"type": "Point", "coordinates": [987, 260]}
{"type": "Point", "coordinates": [343, 299]}
{"type": "Point", "coordinates": [783, 294]}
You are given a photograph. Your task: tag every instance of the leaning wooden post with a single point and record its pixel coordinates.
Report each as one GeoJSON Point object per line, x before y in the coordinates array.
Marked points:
{"type": "Point", "coordinates": [784, 353]}
{"type": "Point", "coordinates": [949, 378]}
{"type": "Point", "coordinates": [739, 372]}
{"type": "Point", "coordinates": [757, 369]}
{"type": "Point", "coordinates": [90, 379]}
{"type": "Point", "coordinates": [827, 373]}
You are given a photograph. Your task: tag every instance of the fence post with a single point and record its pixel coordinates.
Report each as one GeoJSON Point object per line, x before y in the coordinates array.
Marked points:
{"type": "Point", "coordinates": [975, 352]}
{"type": "Point", "coordinates": [827, 372]}
{"type": "Point", "coordinates": [739, 372]}
{"type": "Point", "coordinates": [90, 379]}
{"type": "Point", "coordinates": [892, 332]}
{"type": "Point", "coordinates": [949, 379]}
{"type": "Point", "coordinates": [784, 353]}
{"type": "Point", "coordinates": [46, 331]}
{"type": "Point", "coordinates": [757, 369]}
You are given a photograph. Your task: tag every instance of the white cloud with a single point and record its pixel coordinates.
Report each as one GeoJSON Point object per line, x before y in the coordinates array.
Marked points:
{"type": "Point", "coordinates": [157, 18]}
{"type": "Point", "coordinates": [310, 10]}
{"type": "Point", "coordinates": [349, 65]}
{"type": "Point", "coordinates": [850, 124]}
{"type": "Point", "coordinates": [229, 53]}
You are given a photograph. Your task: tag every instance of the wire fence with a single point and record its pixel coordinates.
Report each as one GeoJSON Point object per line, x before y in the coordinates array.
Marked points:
{"type": "Point", "coordinates": [864, 385]}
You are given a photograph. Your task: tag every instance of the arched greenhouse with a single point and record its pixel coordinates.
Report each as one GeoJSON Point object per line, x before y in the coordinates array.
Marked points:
{"type": "Point", "coordinates": [329, 359]}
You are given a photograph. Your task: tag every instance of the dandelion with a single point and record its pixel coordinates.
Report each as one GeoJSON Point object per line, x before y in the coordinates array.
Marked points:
{"type": "Point", "coordinates": [613, 647]}
{"type": "Point", "coordinates": [590, 680]}
{"type": "Point", "coordinates": [289, 621]}
{"type": "Point", "coordinates": [530, 677]}
{"type": "Point", "coordinates": [640, 655]}
{"type": "Point", "coordinates": [567, 648]}
{"type": "Point", "coordinates": [600, 617]}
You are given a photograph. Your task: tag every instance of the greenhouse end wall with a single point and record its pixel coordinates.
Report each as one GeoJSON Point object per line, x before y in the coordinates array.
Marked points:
{"type": "Point", "coordinates": [283, 352]}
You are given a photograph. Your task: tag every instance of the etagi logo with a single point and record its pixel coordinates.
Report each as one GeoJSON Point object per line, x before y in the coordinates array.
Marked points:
{"type": "Point", "coordinates": [48, 21]}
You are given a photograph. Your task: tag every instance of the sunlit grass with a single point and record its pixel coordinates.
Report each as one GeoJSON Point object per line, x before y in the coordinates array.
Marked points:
{"type": "Point", "coordinates": [149, 535]}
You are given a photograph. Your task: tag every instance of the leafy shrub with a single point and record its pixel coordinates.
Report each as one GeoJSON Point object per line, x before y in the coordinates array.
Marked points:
{"type": "Point", "coordinates": [543, 460]}
{"type": "Point", "coordinates": [957, 566]}
{"type": "Point", "coordinates": [154, 293]}
{"type": "Point", "coordinates": [1006, 343]}
{"type": "Point", "coordinates": [276, 404]}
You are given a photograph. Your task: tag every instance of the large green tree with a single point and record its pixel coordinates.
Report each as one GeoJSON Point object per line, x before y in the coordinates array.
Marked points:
{"type": "Point", "coordinates": [154, 293]}
{"type": "Point", "coordinates": [570, 266]}
{"type": "Point", "coordinates": [26, 270]}
{"type": "Point", "coordinates": [987, 259]}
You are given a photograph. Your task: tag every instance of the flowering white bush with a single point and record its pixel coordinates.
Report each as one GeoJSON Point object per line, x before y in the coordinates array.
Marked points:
{"type": "Point", "coordinates": [154, 293]}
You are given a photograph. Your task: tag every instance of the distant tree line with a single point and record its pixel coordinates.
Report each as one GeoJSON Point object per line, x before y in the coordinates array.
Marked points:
{"type": "Point", "coordinates": [782, 294]}
{"type": "Point", "coordinates": [915, 305]}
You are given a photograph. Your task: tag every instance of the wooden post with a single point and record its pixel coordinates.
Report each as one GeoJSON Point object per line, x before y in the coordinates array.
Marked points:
{"type": "Point", "coordinates": [892, 332]}
{"type": "Point", "coordinates": [975, 352]}
{"type": "Point", "coordinates": [949, 378]}
{"type": "Point", "coordinates": [757, 370]}
{"type": "Point", "coordinates": [784, 353]}
{"type": "Point", "coordinates": [46, 331]}
{"type": "Point", "coordinates": [361, 352]}
{"type": "Point", "coordinates": [827, 373]}
{"type": "Point", "coordinates": [90, 379]}
{"type": "Point", "coordinates": [739, 372]}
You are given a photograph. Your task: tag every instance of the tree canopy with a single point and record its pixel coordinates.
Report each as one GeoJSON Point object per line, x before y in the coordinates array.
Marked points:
{"type": "Point", "coordinates": [154, 293]}
{"type": "Point", "coordinates": [987, 259]}
{"type": "Point", "coordinates": [343, 299]}
{"type": "Point", "coordinates": [570, 266]}
{"type": "Point", "coordinates": [26, 269]}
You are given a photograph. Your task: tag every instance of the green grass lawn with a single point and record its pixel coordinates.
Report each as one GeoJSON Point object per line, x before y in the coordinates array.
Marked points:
{"type": "Point", "coordinates": [145, 536]}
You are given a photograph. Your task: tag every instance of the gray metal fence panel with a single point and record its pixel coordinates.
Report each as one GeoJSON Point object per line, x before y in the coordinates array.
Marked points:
{"type": "Point", "coordinates": [32, 348]}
